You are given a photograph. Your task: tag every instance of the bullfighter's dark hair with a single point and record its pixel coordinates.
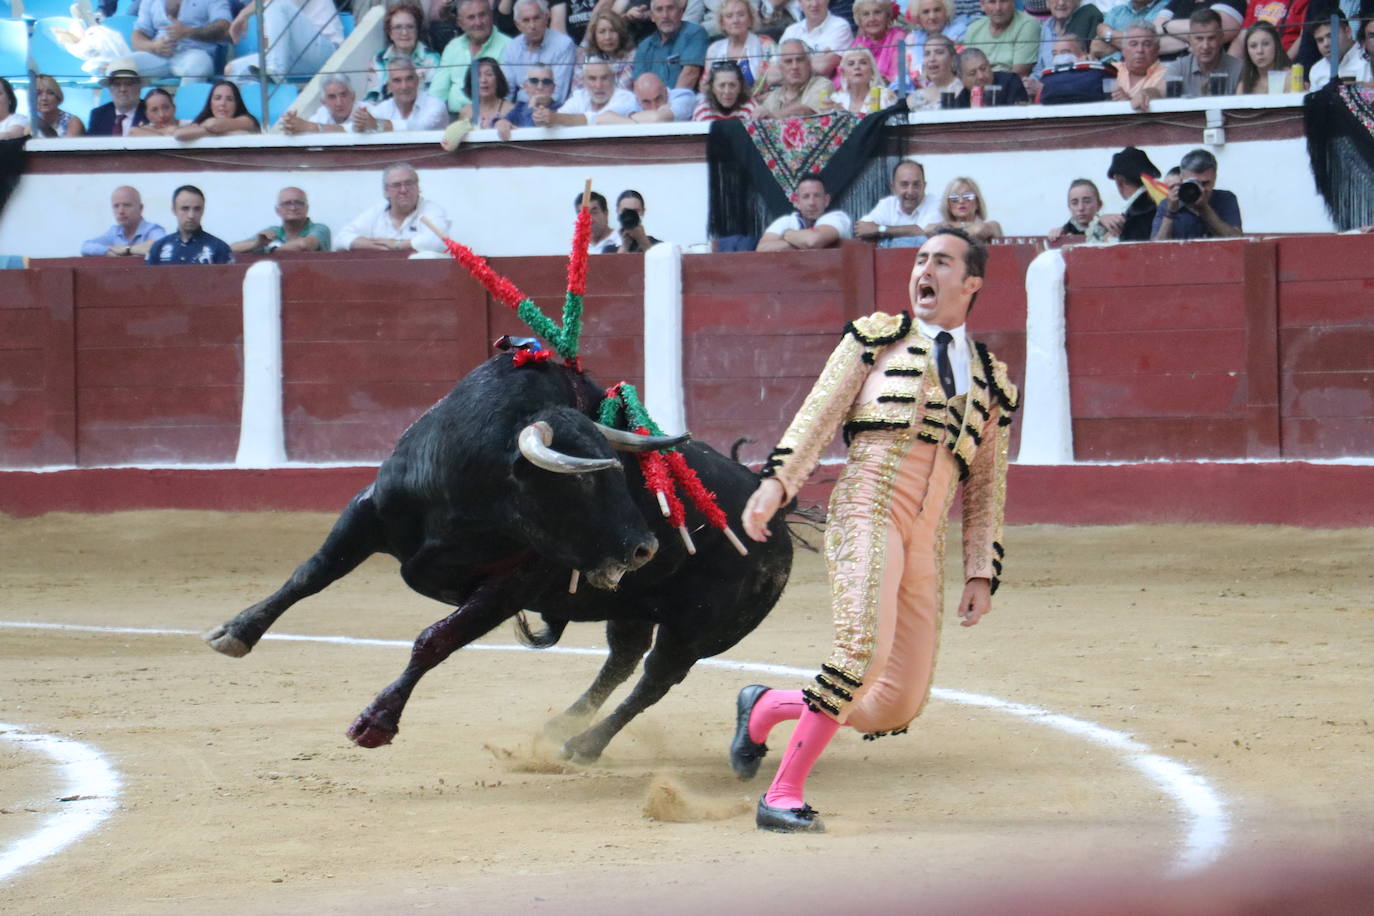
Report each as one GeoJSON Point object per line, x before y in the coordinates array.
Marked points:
{"type": "Point", "coordinates": [187, 187]}
{"type": "Point", "coordinates": [594, 197]}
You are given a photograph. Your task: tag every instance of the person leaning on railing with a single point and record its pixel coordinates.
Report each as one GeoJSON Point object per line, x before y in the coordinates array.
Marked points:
{"type": "Point", "coordinates": [49, 120]}
{"type": "Point", "coordinates": [224, 114]}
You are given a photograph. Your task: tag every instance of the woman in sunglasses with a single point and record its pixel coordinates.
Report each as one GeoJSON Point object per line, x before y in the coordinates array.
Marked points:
{"type": "Point", "coordinates": [962, 207]}
{"type": "Point", "coordinates": [725, 96]}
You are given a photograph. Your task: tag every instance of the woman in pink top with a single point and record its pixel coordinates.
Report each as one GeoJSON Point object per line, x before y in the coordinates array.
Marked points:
{"type": "Point", "coordinates": [877, 34]}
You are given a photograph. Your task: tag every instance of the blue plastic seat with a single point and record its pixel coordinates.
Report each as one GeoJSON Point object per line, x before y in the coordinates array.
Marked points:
{"type": "Point", "coordinates": [14, 50]}
{"type": "Point", "coordinates": [124, 25]}
{"type": "Point", "coordinates": [280, 97]}
{"type": "Point", "coordinates": [42, 9]}
{"type": "Point", "coordinates": [78, 101]}
{"type": "Point", "coordinates": [51, 56]}
{"type": "Point", "coordinates": [190, 99]}
{"type": "Point", "coordinates": [126, 8]}
{"type": "Point", "coordinates": [249, 43]}
{"type": "Point", "coordinates": [346, 20]}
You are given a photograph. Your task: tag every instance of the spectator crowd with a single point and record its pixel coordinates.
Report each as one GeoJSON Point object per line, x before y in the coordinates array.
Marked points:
{"type": "Point", "coordinates": [505, 64]}
{"type": "Point", "coordinates": [1184, 204]}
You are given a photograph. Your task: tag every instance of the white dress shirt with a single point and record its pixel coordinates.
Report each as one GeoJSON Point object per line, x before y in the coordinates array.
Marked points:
{"type": "Point", "coordinates": [428, 113]}
{"type": "Point", "coordinates": [958, 353]}
{"type": "Point", "coordinates": [375, 223]}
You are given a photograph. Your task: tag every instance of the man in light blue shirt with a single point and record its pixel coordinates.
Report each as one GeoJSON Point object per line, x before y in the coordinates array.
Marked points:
{"type": "Point", "coordinates": [130, 235]}
{"type": "Point", "coordinates": [676, 53]}
{"type": "Point", "coordinates": [182, 45]}
{"type": "Point", "coordinates": [538, 44]}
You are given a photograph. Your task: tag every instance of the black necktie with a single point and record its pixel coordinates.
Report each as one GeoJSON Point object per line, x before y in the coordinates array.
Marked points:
{"type": "Point", "coordinates": [942, 362]}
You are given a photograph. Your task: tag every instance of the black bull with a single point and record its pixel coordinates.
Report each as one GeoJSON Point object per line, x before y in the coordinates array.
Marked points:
{"type": "Point", "coordinates": [469, 506]}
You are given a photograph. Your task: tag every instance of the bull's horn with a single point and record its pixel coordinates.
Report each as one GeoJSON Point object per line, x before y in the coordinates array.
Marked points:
{"type": "Point", "coordinates": [623, 441]}
{"type": "Point", "coordinates": [534, 443]}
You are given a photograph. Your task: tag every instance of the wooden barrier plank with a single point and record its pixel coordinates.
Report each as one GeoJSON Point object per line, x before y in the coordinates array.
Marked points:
{"type": "Point", "coordinates": [1155, 351]}
{"type": "Point", "coordinates": [1324, 258]}
{"type": "Point", "coordinates": [1314, 395]}
{"type": "Point", "coordinates": [761, 272]}
{"type": "Point", "coordinates": [1320, 303]}
{"type": "Point", "coordinates": [190, 286]}
{"type": "Point", "coordinates": [59, 443]}
{"type": "Point", "coordinates": [1161, 307]}
{"type": "Point", "coordinates": [1329, 437]}
{"type": "Point", "coordinates": [758, 356]}
{"type": "Point", "coordinates": [1262, 350]}
{"type": "Point", "coordinates": [413, 319]}
{"type": "Point", "coordinates": [21, 329]}
{"type": "Point", "coordinates": [160, 406]}
{"type": "Point", "coordinates": [1171, 395]}
{"type": "Point", "coordinates": [156, 326]}
{"type": "Point", "coordinates": [351, 362]}
{"type": "Point", "coordinates": [133, 367]}
{"type": "Point", "coordinates": [112, 444]}
{"type": "Point", "coordinates": [1195, 263]}
{"type": "Point", "coordinates": [1151, 439]}
{"type": "Point", "coordinates": [1347, 349]}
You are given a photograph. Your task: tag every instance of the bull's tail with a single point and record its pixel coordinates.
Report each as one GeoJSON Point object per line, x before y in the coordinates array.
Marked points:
{"type": "Point", "coordinates": [552, 632]}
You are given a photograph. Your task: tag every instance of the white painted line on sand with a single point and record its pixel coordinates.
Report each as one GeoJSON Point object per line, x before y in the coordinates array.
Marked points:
{"type": "Point", "coordinates": [1203, 810]}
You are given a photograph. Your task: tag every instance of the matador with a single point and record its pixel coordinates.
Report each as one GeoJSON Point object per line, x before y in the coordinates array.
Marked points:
{"type": "Point", "coordinates": [923, 408]}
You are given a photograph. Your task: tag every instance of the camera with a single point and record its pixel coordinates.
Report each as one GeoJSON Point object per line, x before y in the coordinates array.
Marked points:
{"type": "Point", "coordinates": [629, 219]}
{"type": "Point", "coordinates": [1189, 191]}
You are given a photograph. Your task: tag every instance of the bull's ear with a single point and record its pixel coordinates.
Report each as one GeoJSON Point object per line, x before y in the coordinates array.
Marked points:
{"type": "Point", "coordinates": [536, 445]}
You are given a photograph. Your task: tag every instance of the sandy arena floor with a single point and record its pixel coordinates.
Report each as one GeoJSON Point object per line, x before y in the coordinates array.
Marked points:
{"type": "Point", "coordinates": [1242, 653]}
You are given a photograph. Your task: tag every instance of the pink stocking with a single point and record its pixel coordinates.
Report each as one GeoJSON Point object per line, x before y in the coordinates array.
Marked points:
{"type": "Point", "coordinates": [773, 707]}
{"type": "Point", "coordinates": [812, 734]}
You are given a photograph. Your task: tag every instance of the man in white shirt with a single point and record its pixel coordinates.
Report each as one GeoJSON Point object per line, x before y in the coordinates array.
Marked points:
{"type": "Point", "coordinates": [810, 226]}
{"type": "Point", "coordinates": [407, 109]}
{"type": "Point", "coordinates": [335, 114]}
{"type": "Point", "coordinates": [395, 225]}
{"type": "Point", "coordinates": [602, 239]}
{"type": "Point", "coordinates": [301, 37]}
{"type": "Point", "coordinates": [899, 220]}
{"type": "Point", "coordinates": [655, 103]}
{"type": "Point", "coordinates": [598, 95]}
{"type": "Point", "coordinates": [1350, 54]}
{"type": "Point", "coordinates": [825, 33]}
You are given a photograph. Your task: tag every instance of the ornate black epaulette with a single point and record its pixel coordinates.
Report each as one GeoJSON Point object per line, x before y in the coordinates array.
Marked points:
{"type": "Point", "coordinates": [896, 398]}
{"type": "Point", "coordinates": [996, 371]}
{"type": "Point", "coordinates": [878, 329]}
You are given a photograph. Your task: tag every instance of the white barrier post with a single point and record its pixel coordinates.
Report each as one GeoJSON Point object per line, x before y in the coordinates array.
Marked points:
{"type": "Point", "coordinates": [262, 436]}
{"type": "Point", "coordinates": [663, 394]}
{"type": "Point", "coordinates": [1046, 422]}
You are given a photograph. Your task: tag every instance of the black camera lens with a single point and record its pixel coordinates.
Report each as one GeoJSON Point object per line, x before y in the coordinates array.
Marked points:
{"type": "Point", "coordinates": [629, 219]}
{"type": "Point", "coordinates": [1189, 191]}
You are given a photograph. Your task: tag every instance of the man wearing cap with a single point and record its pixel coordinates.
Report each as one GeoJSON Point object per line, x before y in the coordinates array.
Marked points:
{"type": "Point", "coordinates": [1134, 224]}
{"type": "Point", "coordinates": [125, 110]}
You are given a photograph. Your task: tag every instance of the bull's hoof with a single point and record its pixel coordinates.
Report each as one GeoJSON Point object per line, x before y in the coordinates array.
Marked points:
{"type": "Point", "coordinates": [366, 731]}
{"type": "Point", "coordinates": [224, 643]}
{"type": "Point", "coordinates": [564, 726]}
{"type": "Point", "coordinates": [582, 750]}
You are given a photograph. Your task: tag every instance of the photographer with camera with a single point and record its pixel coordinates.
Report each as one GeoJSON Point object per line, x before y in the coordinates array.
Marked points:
{"type": "Point", "coordinates": [1195, 208]}
{"type": "Point", "coordinates": [629, 208]}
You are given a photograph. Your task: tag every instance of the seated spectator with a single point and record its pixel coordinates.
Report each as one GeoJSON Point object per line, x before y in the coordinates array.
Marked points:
{"type": "Point", "coordinates": [939, 77]}
{"type": "Point", "coordinates": [335, 114]}
{"type": "Point", "coordinates": [1206, 57]}
{"type": "Point", "coordinates": [1176, 25]}
{"type": "Point", "coordinates": [1264, 54]}
{"type": "Point", "coordinates": [1074, 77]}
{"type": "Point", "coordinates": [1136, 222]}
{"type": "Point", "coordinates": [879, 36]}
{"type": "Point", "coordinates": [131, 234]}
{"type": "Point", "coordinates": [1067, 17]}
{"type": "Point", "coordinates": [676, 51]}
{"type": "Point", "coordinates": [799, 92]}
{"type": "Point", "coordinates": [824, 33]}
{"type": "Point", "coordinates": [975, 70]}
{"type": "Point", "coordinates": [395, 224]}
{"type": "Point", "coordinates": [1195, 208]}
{"type": "Point", "coordinates": [572, 17]}
{"type": "Point", "coordinates": [1366, 41]}
{"type": "Point", "coordinates": [125, 110]}
{"type": "Point", "coordinates": [863, 92]}
{"type": "Point", "coordinates": [296, 232]}
{"type": "Point", "coordinates": [608, 39]}
{"type": "Point", "coordinates": [1009, 38]}
{"type": "Point", "coordinates": [736, 20]}
{"type": "Point", "coordinates": [657, 103]}
{"type": "Point", "coordinates": [811, 225]}
{"type": "Point", "coordinates": [538, 89]}
{"type": "Point", "coordinates": [932, 18]}
{"type": "Point", "coordinates": [479, 39]}
{"type": "Point", "coordinates": [603, 239]}
{"type": "Point", "coordinates": [629, 209]}
{"type": "Point", "coordinates": [962, 207]}
{"type": "Point", "coordinates": [1285, 15]}
{"type": "Point", "coordinates": [725, 96]}
{"type": "Point", "coordinates": [1107, 44]}
{"type": "Point", "coordinates": [599, 96]}
{"type": "Point", "coordinates": [49, 120]}
{"type": "Point", "coordinates": [1083, 225]}
{"type": "Point", "coordinates": [537, 44]}
{"type": "Point", "coordinates": [224, 114]}
{"type": "Point", "coordinates": [636, 16]}
{"type": "Point", "coordinates": [900, 219]}
{"type": "Point", "coordinates": [1140, 75]}
{"type": "Point", "coordinates": [162, 115]}
{"type": "Point", "coordinates": [402, 29]}
{"type": "Point", "coordinates": [405, 108]}
{"type": "Point", "coordinates": [190, 244]}
{"type": "Point", "coordinates": [486, 85]}
{"type": "Point", "coordinates": [1348, 53]}
{"type": "Point", "coordinates": [183, 44]}
{"type": "Point", "coordinates": [299, 37]}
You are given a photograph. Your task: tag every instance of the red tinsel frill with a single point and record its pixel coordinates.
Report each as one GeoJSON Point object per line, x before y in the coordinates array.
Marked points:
{"type": "Point", "coordinates": [657, 480]}
{"type": "Point", "coordinates": [702, 498]}
{"type": "Point", "coordinates": [527, 355]}
{"type": "Point", "coordinates": [502, 289]}
{"type": "Point", "coordinates": [577, 260]}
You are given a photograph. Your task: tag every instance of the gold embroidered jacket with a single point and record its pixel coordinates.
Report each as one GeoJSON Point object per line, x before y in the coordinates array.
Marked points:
{"type": "Point", "coordinates": [973, 427]}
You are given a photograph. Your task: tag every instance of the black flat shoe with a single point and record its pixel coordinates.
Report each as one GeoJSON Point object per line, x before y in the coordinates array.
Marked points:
{"type": "Point", "coordinates": [745, 752]}
{"type": "Point", "coordinates": [788, 820]}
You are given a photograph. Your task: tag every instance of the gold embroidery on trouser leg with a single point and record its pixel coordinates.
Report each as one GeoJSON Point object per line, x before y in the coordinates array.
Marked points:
{"type": "Point", "coordinates": [856, 550]}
